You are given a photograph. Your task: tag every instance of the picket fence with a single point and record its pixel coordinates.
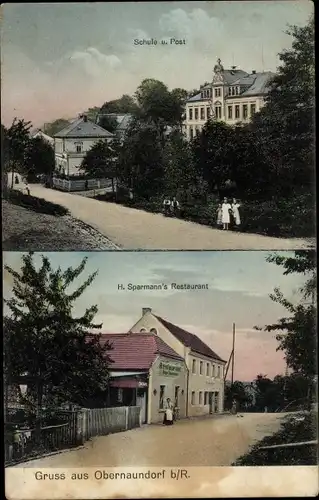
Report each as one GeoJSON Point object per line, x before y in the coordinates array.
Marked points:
{"type": "Point", "coordinates": [103, 421]}
{"type": "Point", "coordinates": [81, 184]}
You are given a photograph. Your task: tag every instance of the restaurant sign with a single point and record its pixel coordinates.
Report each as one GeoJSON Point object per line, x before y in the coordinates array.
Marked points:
{"type": "Point", "coordinates": [169, 369]}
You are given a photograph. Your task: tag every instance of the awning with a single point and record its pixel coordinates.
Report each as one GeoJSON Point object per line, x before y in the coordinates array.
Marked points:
{"type": "Point", "coordinates": [130, 383]}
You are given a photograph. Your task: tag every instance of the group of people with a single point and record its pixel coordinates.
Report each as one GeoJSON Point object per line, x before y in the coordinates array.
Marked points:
{"type": "Point", "coordinates": [228, 213]}
{"type": "Point", "coordinates": [170, 206]}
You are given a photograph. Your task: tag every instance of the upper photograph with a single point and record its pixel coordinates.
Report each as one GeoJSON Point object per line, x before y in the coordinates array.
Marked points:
{"type": "Point", "coordinates": [158, 126]}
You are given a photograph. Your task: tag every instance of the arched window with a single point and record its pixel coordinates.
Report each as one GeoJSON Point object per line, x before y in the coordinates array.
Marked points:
{"type": "Point", "coordinates": [143, 330]}
{"type": "Point", "coordinates": [153, 330]}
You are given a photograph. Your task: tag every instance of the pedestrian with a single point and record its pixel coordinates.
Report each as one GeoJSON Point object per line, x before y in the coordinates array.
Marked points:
{"type": "Point", "coordinates": [226, 211]}
{"type": "Point", "coordinates": [27, 189]}
{"type": "Point", "coordinates": [174, 206]}
{"type": "Point", "coordinates": [86, 185]}
{"type": "Point", "coordinates": [166, 205]}
{"type": "Point", "coordinates": [235, 209]}
{"type": "Point", "coordinates": [219, 215]}
{"type": "Point", "coordinates": [168, 413]}
{"type": "Point", "coordinates": [16, 179]}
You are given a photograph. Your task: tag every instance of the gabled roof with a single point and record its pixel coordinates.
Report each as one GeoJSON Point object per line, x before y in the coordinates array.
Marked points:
{"type": "Point", "coordinates": [83, 128]}
{"type": "Point", "coordinates": [45, 137]}
{"type": "Point", "coordinates": [136, 351]}
{"type": "Point", "coordinates": [189, 339]}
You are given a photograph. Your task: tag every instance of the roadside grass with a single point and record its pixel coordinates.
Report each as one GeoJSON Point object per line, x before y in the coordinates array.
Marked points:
{"type": "Point", "coordinates": [293, 430]}
{"type": "Point", "coordinates": [38, 205]}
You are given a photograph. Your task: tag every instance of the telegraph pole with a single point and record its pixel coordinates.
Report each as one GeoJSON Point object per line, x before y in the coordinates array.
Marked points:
{"type": "Point", "coordinates": [233, 355]}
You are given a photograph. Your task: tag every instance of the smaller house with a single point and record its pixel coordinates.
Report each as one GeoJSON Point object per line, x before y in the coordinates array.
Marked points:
{"type": "Point", "coordinates": [73, 142]}
{"type": "Point", "coordinates": [42, 135]}
{"type": "Point", "coordinates": [145, 372]}
{"type": "Point", "coordinates": [123, 121]}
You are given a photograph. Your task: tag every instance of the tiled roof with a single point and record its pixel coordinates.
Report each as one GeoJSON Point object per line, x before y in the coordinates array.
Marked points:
{"type": "Point", "coordinates": [189, 339]}
{"type": "Point", "coordinates": [82, 128]}
{"type": "Point", "coordinates": [136, 351]}
{"type": "Point", "coordinates": [261, 84]}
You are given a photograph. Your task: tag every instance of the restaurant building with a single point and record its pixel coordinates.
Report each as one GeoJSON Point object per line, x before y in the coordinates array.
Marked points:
{"type": "Point", "coordinates": [145, 372]}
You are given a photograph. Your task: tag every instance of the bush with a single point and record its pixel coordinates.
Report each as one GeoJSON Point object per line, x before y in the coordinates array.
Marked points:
{"type": "Point", "coordinates": [290, 218]}
{"type": "Point", "coordinates": [291, 431]}
{"type": "Point", "coordinates": [36, 204]}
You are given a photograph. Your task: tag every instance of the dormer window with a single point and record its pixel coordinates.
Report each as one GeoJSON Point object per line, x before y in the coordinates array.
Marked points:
{"type": "Point", "coordinates": [154, 331]}
{"type": "Point", "coordinates": [234, 91]}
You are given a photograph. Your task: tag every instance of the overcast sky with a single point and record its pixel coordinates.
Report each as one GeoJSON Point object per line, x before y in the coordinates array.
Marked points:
{"type": "Point", "coordinates": [60, 59]}
{"type": "Point", "coordinates": [239, 284]}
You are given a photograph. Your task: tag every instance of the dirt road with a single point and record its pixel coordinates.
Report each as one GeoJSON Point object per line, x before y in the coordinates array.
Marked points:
{"type": "Point", "coordinates": [134, 229]}
{"type": "Point", "coordinates": [216, 441]}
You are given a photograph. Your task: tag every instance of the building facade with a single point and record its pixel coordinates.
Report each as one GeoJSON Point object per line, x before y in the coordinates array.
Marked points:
{"type": "Point", "coordinates": [205, 380]}
{"type": "Point", "coordinates": [73, 142]}
{"type": "Point", "coordinates": [233, 96]}
{"type": "Point", "coordinates": [145, 372]}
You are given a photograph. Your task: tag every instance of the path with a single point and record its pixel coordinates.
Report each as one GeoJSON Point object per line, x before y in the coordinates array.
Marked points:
{"type": "Point", "coordinates": [216, 441]}
{"type": "Point", "coordinates": [134, 229]}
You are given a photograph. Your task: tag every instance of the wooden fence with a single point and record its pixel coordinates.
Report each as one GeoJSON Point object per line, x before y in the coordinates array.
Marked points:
{"type": "Point", "coordinates": [81, 184]}
{"type": "Point", "coordinates": [103, 421]}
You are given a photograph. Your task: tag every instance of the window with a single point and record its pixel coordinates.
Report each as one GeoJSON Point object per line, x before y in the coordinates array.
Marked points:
{"type": "Point", "coordinates": [218, 371]}
{"type": "Point", "coordinates": [153, 330]}
{"type": "Point", "coordinates": [191, 132]}
{"type": "Point", "coordinates": [245, 111]}
{"type": "Point", "coordinates": [78, 147]}
{"type": "Point", "coordinates": [143, 330]}
{"type": "Point", "coordinates": [120, 395]}
{"type": "Point", "coordinates": [206, 398]}
{"type": "Point", "coordinates": [193, 398]}
{"type": "Point", "coordinates": [202, 113]}
{"type": "Point", "coordinates": [190, 113]}
{"type": "Point", "coordinates": [230, 112]}
{"type": "Point", "coordinates": [207, 369]}
{"type": "Point", "coordinates": [236, 111]}
{"type": "Point", "coordinates": [176, 399]}
{"type": "Point", "coordinates": [196, 113]}
{"type": "Point", "coordinates": [213, 371]}
{"type": "Point", "coordinates": [237, 90]}
{"type": "Point", "coordinates": [200, 398]}
{"type": "Point", "coordinates": [201, 368]}
{"type": "Point", "coordinates": [217, 92]}
{"type": "Point", "coordinates": [194, 366]}
{"type": "Point", "coordinates": [218, 111]}
{"type": "Point", "coordinates": [207, 113]}
{"type": "Point", "coordinates": [252, 109]}
{"type": "Point", "coordinates": [197, 130]}
{"type": "Point", "coordinates": [161, 396]}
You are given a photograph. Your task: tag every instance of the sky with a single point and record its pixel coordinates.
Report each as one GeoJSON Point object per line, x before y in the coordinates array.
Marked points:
{"type": "Point", "coordinates": [239, 284]}
{"type": "Point", "coordinates": [60, 59]}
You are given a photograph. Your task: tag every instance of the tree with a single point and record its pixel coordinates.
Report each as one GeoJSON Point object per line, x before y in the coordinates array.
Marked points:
{"type": "Point", "coordinates": [46, 342]}
{"type": "Point", "coordinates": [285, 126]}
{"type": "Point", "coordinates": [140, 161]}
{"type": "Point", "coordinates": [101, 160]}
{"type": "Point", "coordinates": [239, 392]}
{"type": "Point", "coordinates": [56, 126]}
{"type": "Point", "coordinates": [124, 104]}
{"type": "Point", "coordinates": [297, 332]}
{"type": "Point", "coordinates": [17, 138]}
{"type": "Point", "coordinates": [109, 123]}
{"type": "Point", "coordinates": [39, 158]}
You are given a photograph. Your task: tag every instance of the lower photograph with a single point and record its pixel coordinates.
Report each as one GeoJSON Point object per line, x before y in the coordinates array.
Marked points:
{"type": "Point", "coordinates": [159, 372]}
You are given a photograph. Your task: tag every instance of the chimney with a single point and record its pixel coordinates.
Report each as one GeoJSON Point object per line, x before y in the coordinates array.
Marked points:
{"type": "Point", "coordinates": [146, 310]}
{"type": "Point", "coordinates": [253, 71]}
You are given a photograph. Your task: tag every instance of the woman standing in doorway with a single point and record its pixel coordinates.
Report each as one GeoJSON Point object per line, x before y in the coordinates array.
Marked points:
{"type": "Point", "coordinates": [226, 209]}
{"type": "Point", "coordinates": [168, 413]}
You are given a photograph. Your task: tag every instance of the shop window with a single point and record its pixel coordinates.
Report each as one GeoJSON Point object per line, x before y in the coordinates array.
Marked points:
{"type": "Point", "coordinates": [194, 366]}
{"type": "Point", "coordinates": [207, 369]}
{"type": "Point", "coordinates": [201, 368]}
{"type": "Point", "coordinates": [193, 398]}
{"type": "Point", "coordinates": [161, 396]}
{"type": "Point", "coordinates": [200, 398]}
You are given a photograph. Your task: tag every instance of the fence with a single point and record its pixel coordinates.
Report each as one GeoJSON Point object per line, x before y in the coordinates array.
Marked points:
{"type": "Point", "coordinates": [24, 443]}
{"type": "Point", "coordinates": [81, 184]}
{"type": "Point", "coordinates": [102, 421]}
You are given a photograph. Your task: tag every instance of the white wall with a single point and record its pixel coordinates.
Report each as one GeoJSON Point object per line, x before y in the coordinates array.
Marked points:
{"type": "Point", "coordinates": [157, 379]}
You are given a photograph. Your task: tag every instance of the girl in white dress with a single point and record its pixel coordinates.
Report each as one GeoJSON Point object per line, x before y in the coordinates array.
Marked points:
{"type": "Point", "coordinates": [219, 215]}
{"type": "Point", "coordinates": [169, 413]}
{"type": "Point", "coordinates": [226, 208]}
{"type": "Point", "coordinates": [235, 209]}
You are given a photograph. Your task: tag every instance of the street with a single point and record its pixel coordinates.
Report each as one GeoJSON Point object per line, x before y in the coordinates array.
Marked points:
{"type": "Point", "coordinates": [133, 229]}
{"type": "Point", "coordinates": [210, 441]}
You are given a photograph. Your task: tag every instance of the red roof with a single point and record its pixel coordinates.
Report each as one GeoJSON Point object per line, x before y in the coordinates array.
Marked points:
{"type": "Point", "coordinates": [136, 351]}
{"type": "Point", "coordinates": [189, 339]}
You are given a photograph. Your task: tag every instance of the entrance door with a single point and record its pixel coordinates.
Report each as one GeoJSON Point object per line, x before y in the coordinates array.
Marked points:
{"type": "Point", "coordinates": [141, 402]}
